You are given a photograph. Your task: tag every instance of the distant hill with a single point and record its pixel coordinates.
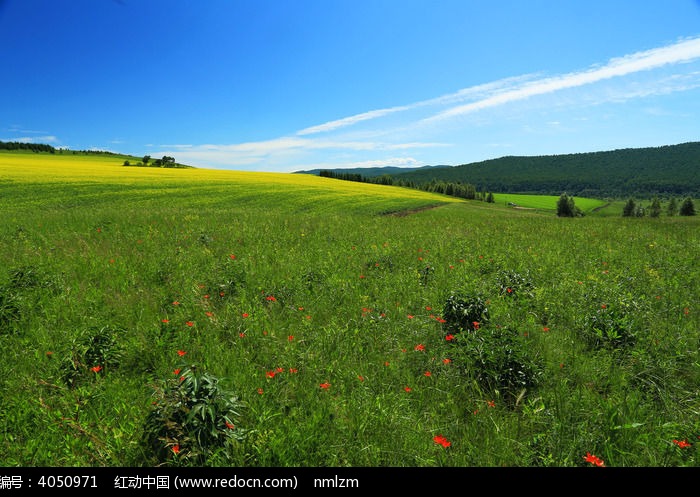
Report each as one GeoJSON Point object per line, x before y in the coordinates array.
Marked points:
{"type": "Point", "coordinates": [672, 170]}
{"type": "Point", "coordinates": [373, 172]}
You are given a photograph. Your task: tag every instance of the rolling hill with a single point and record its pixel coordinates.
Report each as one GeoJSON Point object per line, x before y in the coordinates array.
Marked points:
{"type": "Point", "coordinates": [672, 170]}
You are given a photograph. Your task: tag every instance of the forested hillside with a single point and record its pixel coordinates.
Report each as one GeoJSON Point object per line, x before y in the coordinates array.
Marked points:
{"type": "Point", "coordinates": [642, 172]}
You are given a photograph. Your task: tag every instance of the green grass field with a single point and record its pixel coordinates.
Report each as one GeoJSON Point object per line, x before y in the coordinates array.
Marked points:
{"type": "Point", "coordinates": [187, 317]}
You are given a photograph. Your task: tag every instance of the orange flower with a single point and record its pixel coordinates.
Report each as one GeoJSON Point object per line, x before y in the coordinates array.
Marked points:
{"type": "Point", "coordinates": [595, 460]}
{"type": "Point", "coordinates": [181, 353]}
{"type": "Point", "coordinates": [407, 389]}
{"type": "Point", "coordinates": [96, 369]}
{"type": "Point", "coordinates": [325, 386]}
{"type": "Point", "coordinates": [449, 337]}
{"type": "Point", "coordinates": [440, 440]}
{"type": "Point", "coordinates": [427, 373]}
{"type": "Point", "coordinates": [260, 391]}
{"type": "Point", "coordinates": [682, 443]}
{"type": "Point", "coordinates": [230, 425]}
{"type": "Point", "coordinates": [176, 449]}
{"type": "Point", "coordinates": [420, 347]}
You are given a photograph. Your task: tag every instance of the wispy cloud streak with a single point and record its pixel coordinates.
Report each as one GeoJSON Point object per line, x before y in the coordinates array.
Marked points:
{"type": "Point", "coordinates": [678, 53]}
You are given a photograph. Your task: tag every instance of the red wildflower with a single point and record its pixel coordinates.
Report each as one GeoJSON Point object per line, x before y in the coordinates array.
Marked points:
{"type": "Point", "coordinates": [449, 337]}
{"type": "Point", "coordinates": [290, 337]}
{"type": "Point", "coordinates": [545, 329]}
{"type": "Point", "coordinates": [682, 443]}
{"type": "Point", "coordinates": [420, 347]}
{"type": "Point", "coordinates": [427, 373]}
{"type": "Point", "coordinates": [189, 323]}
{"type": "Point", "coordinates": [446, 360]}
{"type": "Point", "coordinates": [260, 391]}
{"type": "Point", "coordinates": [410, 316]}
{"type": "Point", "coordinates": [181, 353]}
{"type": "Point", "coordinates": [325, 386]}
{"type": "Point", "coordinates": [440, 440]}
{"type": "Point", "coordinates": [491, 403]}
{"type": "Point", "coordinates": [360, 377]}
{"type": "Point", "coordinates": [231, 256]}
{"type": "Point", "coordinates": [293, 370]}
{"type": "Point", "coordinates": [475, 324]}
{"type": "Point", "coordinates": [230, 425]}
{"type": "Point", "coordinates": [176, 449]}
{"type": "Point", "coordinates": [270, 374]}
{"type": "Point", "coordinates": [245, 315]}
{"type": "Point", "coordinates": [271, 298]}
{"type": "Point", "coordinates": [595, 460]}
{"type": "Point", "coordinates": [96, 369]}
{"type": "Point", "coordinates": [165, 320]}
{"type": "Point", "coordinates": [176, 303]}
{"type": "Point", "coordinates": [407, 389]}
{"type": "Point", "coordinates": [177, 371]}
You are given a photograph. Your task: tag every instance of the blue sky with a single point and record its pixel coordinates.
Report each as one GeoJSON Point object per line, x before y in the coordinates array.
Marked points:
{"type": "Point", "coordinates": [288, 85]}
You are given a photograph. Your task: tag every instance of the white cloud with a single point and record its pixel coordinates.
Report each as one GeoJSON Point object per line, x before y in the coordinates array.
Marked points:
{"type": "Point", "coordinates": [48, 139]}
{"type": "Point", "coordinates": [681, 52]}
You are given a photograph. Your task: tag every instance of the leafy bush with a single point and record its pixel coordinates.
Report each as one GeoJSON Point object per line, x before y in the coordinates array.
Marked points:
{"type": "Point", "coordinates": [499, 361]}
{"type": "Point", "coordinates": [92, 352]}
{"type": "Point", "coordinates": [513, 284]}
{"type": "Point", "coordinates": [611, 326]}
{"type": "Point", "coordinates": [193, 418]}
{"type": "Point", "coordinates": [461, 312]}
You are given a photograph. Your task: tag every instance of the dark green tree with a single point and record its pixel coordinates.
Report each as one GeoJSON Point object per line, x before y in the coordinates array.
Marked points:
{"type": "Point", "coordinates": [630, 208]}
{"type": "Point", "coordinates": [655, 207]}
{"type": "Point", "coordinates": [687, 207]}
{"type": "Point", "coordinates": [672, 207]}
{"type": "Point", "coordinates": [565, 206]}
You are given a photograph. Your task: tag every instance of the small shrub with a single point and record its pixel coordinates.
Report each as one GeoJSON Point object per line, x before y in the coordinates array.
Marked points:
{"type": "Point", "coordinates": [461, 312]}
{"type": "Point", "coordinates": [499, 361]}
{"type": "Point", "coordinates": [513, 284]}
{"type": "Point", "coordinates": [610, 326]}
{"type": "Point", "coordinates": [91, 353]}
{"type": "Point", "coordinates": [193, 419]}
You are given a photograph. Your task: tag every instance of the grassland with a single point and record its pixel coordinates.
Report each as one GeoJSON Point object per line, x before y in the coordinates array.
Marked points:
{"type": "Point", "coordinates": [187, 317]}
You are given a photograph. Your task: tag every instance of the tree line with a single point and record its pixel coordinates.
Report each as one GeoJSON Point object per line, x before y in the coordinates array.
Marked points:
{"type": "Point", "coordinates": [34, 147]}
{"type": "Point", "coordinates": [165, 161]}
{"type": "Point", "coordinates": [451, 188]}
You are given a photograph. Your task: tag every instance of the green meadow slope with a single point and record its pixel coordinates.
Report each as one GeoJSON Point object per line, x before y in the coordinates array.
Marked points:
{"type": "Point", "coordinates": [186, 318]}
